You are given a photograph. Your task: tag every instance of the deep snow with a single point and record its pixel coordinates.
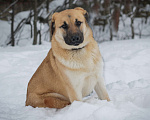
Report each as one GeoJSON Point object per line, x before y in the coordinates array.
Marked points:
{"type": "Point", "coordinates": [126, 72]}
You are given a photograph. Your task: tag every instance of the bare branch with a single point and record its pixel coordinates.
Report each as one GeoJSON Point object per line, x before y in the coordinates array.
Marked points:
{"type": "Point", "coordinates": [8, 7]}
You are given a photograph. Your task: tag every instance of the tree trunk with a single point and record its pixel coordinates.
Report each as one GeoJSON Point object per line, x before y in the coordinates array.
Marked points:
{"type": "Point", "coordinates": [132, 27]}
{"type": "Point", "coordinates": [39, 33]}
{"type": "Point", "coordinates": [35, 23]}
{"type": "Point", "coordinates": [31, 30]}
{"type": "Point", "coordinates": [47, 6]}
{"type": "Point", "coordinates": [110, 28]}
{"type": "Point", "coordinates": [12, 26]}
{"type": "Point", "coordinates": [116, 15]}
{"type": "Point", "coordinates": [70, 4]}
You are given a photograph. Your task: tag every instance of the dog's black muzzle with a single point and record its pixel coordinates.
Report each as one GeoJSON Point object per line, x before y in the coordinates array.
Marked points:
{"type": "Point", "coordinates": [74, 39]}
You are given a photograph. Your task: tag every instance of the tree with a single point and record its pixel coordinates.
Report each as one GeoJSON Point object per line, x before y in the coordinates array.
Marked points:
{"type": "Point", "coordinates": [47, 6]}
{"type": "Point", "coordinates": [12, 25]}
{"type": "Point", "coordinates": [35, 23]}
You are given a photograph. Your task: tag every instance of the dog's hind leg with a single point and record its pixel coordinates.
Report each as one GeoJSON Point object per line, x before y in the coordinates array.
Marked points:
{"type": "Point", "coordinates": [55, 100]}
{"type": "Point", "coordinates": [34, 100]}
{"type": "Point", "coordinates": [51, 100]}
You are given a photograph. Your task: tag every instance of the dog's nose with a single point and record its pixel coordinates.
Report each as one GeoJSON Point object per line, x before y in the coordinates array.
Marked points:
{"type": "Point", "coordinates": [75, 39]}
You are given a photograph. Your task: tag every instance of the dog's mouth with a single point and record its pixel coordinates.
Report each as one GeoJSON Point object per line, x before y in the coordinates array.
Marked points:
{"type": "Point", "coordinates": [74, 49]}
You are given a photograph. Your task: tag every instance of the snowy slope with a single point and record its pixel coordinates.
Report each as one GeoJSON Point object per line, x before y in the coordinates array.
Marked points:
{"type": "Point", "coordinates": [127, 76]}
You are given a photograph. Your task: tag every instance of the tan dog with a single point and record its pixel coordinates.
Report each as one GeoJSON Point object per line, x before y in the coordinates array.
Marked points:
{"type": "Point", "coordinates": [72, 68]}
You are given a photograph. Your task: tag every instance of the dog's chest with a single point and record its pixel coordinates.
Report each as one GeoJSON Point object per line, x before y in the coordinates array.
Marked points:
{"type": "Point", "coordinates": [83, 82]}
{"type": "Point", "coordinates": [89, 84]}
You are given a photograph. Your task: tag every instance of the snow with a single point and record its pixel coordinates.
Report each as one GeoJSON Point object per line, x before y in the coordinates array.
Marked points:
{"type": "Point", "coordinates": [127, 77]}
{"type": "Point", "coordinates": [4, 31]}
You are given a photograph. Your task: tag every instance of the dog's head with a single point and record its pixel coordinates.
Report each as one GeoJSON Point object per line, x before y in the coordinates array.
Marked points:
{"type": "Point", "coordinates": [69, 28]}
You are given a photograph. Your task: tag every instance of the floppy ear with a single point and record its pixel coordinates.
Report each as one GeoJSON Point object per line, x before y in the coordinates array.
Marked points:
{"type": "Point", "coordinates": [52, 23]}
{"type": "Point", "coordinates": [84, 12]}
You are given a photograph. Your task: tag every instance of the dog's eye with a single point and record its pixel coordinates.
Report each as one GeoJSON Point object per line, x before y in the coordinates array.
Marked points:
{"type": "Point", "coordinates": [78, 23]}
{"type": "Point", "coordinates": [64, 26]}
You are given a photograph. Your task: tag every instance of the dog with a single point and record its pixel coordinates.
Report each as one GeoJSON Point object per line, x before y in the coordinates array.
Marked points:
{"type": "Point", "coordinates": [72, 68]}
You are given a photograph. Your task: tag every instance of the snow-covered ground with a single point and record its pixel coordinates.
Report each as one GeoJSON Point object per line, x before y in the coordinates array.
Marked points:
{"type": "Point", "coordinates": [127, 76]}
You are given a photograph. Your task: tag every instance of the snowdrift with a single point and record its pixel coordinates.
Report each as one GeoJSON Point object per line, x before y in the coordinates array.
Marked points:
{"type": "Point", "coordinates": [127, 77]}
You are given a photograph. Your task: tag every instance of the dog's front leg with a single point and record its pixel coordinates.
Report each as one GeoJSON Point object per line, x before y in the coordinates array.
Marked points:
{"type": "Point", "coordinates": [101, 89]}
{"type": "Point", "coordinates": [74, 95]}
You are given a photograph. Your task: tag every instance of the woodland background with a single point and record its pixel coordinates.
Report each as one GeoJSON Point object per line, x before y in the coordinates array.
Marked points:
{"type": "Point", "coordinates": [109, 19]}
{"type": "Point", "coordinates": [122, 30]}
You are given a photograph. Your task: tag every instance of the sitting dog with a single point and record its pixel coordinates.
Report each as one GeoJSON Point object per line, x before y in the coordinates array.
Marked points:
{"type": "Point", "coordinates": [72, 68]}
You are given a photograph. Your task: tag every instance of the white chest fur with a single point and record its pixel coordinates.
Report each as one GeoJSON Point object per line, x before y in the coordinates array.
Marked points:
{"type": "Point", "coordinates": [84, 82]}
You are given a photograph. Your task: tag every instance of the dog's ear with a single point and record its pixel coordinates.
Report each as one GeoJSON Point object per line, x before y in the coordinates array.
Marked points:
{"type": "Point", "coordinates": [52, 23]}
{"type": "Point", "coordinates": [84, 12]}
